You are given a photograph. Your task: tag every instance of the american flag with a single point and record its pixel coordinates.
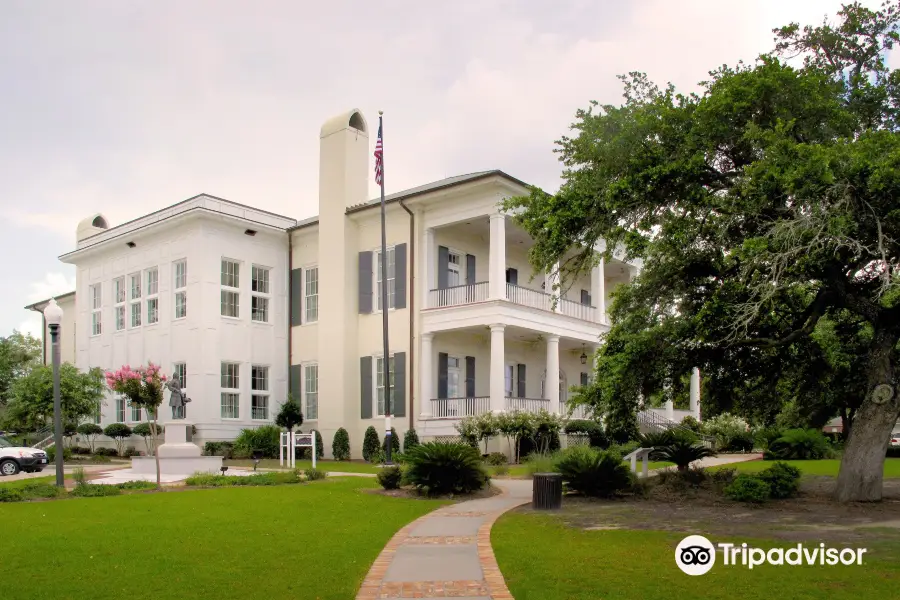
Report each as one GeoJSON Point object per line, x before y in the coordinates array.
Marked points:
{"type": "Point", "coordinates": [379, 158]}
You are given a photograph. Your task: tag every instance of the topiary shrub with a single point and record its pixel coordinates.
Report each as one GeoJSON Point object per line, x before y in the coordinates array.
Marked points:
{"type": "Point", "coordinates": [597, 473]}
{"type": "Point", "coordinates": [410, 440]}
{"type": "Point", "coordinates": [683, 449]}
{"type": "Point", "coordinates": [340, 445]}
{"type": "Point", "coordinates": [390, 478]}
{"type": "Point", "coordinates": [119, 432]}
{"type": "Point", "coordinates": [90, 431]}
{"type": "Point", "coordinates": [395, 443]}
{"type": "Point", "coordinates": [371, 444]}
{"type": "Point", "coordinates": [748, 488]}
{"type": "Point", "coordinates": [800, 444]}
{"type": "Point", "coordinates": [783, 480]}
{"type": "Point", "coordinates": [438, 468]}
{"type": "Point", "coordinates": [265, 439]}
{"type": "Point", "coordinates": [496, 458]}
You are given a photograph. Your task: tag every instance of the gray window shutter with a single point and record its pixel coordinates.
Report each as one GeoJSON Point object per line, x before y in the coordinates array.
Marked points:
{"type": "Point", "coordinates": [442, 374]}
{"type": "Point", "coordinates": [365, 387]}
{"type": "Point", "coordinates": [512, 276]}
{"type": "Point", "coordinates": [365, 282]}
{"type": "Point", "coordinates": [470, 269]}
{"type": "Point", "coordinates": [520, 372]}
{"type": "Point", "coordinates": [443, 267]}
{"type": "Point", "coordinates": [400, 276]}
{"type": "Point", "coordinates": [296, 377]}
{"type": "Point", "coordinates": [296, 297]}
{"type": "Point", "coordinates": [585, 298]}
{"type": "Point", "coordinates": [398, 393]}
{"type": "Point", "coordinates": [470, 377]}
{"type": "Point", "coordinates": [584, 379]}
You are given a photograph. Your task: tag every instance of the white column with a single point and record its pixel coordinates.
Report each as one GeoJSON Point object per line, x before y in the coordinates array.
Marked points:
{"type": "Point", "coordinates": [670, 410]}
{"type": "Point", "coordinates": [426, 375]}
{"type": "Point", "coordinates": [552, 383]}
{"type": "Point", "coordinates": [598, 291]}
{"type": "Point", "coordinates": [695, 393]}
{"type": "Point", "coordinates": [497, 274]}
{"type": "Point", "coordinates": [430, 264]}
{"type": "Point", "coordinates": [498, 361]}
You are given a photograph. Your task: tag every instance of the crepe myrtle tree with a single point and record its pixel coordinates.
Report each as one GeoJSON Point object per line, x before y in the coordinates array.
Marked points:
{"type": "Point", "coordinates": [143, 387]}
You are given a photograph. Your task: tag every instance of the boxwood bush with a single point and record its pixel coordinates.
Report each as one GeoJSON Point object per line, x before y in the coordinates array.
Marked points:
{"type": "Point", "coordinates": [445, 468]}
{"type": "Point", "coordinates": [265, 439]}
{"type": "Point", "coordinates": [748, 488]}
{"type": "Point", "coordinates": [390, 478]}
{"type": "Point", "coordinates": [592, 472]}
{"type": "Point", "coordinates": [783, 480]}
{"type": "Point", "coordinates": [340, 445]}
{"type": "Point", "coordinates": [410, 440]}
{"type": "Point", "coordinates": [371, 444]}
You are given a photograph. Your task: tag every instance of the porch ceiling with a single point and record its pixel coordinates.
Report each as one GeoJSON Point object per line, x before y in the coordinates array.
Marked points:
{"type": "Point", "coordinates": [521, 334]}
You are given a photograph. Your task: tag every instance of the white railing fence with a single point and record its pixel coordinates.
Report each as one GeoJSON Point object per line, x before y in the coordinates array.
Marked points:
{"type": "Point", "coordinates": [458, 295]}
{"type": "Point", "coordinates": [570, 308]}
{"type": "Point", "coordinates": [527, 404]}
{"type": "Point", "coordinates": [453, 408]}
{"type": "Point", "coordinates": [528, 297]}
{"type": "Point", "coordinates": [579, 412]}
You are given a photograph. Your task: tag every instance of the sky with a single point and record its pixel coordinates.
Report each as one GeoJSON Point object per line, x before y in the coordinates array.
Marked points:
{"type": "Point", "coordinates": [122, 107]}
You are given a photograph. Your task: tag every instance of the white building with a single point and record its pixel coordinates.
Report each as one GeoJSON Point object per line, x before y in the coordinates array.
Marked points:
{"type": "Point", "coordinates": [248, 305]}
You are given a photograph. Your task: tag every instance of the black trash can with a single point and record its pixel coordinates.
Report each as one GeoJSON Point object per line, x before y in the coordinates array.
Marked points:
{"type": "Point", "coordinates": [546, 491]}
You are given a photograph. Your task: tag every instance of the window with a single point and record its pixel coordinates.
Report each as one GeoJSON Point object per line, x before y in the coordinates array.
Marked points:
{"type": "Point", "coordinates": [96, 303]}
{"type": "Point", "coordinates": [312, 294]}
{"type": "Point", "coordinates": [453, 377]}
{"type": "Point", "coordinates": [180, 270]}
{"type": "Point", "coordinates": [259, 309]}
{"type": "Point", "coordinates": [152, 278]}
{"type": "Point", "coordinates": [259, 301]}
{"type": "Point", "coordinates": [454, 271]}
{"type": "Point", "coordinates": [120, 410]}
{"type": "Point", "coordinates": [259, 384]}
{"type": "Point", "coordinates": [136, 414]}
{"type": "Point", "coordinates": [230, 289]}
{"type": "Point", "coordinates": [311, 391]}
{"type": "Point", "coordinates": [390, 279]}
{"type": "Point", "coordinates": [230, 399]}
{"type": "Point", "coordinates": [259, 279]}
{"type": "Point", "coordinates": [119, 301]}
{"type": "Point", "coordinates": [179, 370]}
{"type": "Point", "coordinates": [379, 383]}
{"type": "Point", "coordinates": [134, 284]}
{"type": "Point", "coordinates": [509, 380]}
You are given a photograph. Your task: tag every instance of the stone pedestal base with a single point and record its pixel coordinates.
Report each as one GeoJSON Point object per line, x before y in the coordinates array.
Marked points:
{"type": "Point", "coordinates": [178, 455]}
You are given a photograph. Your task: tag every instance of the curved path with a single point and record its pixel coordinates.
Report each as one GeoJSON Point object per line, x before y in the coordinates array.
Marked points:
{"type": "Point", "coordinates": [446, 553]}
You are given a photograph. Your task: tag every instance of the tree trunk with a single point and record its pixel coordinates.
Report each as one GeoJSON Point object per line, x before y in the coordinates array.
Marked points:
{"type": "Point", "coordinates": [153, 430]}
{"type": "Point", "coordinates": [862, 467]}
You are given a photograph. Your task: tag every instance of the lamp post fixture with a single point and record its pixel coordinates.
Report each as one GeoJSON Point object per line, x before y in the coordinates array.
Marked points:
{"type": "Point", "coordinates": [53, 315]}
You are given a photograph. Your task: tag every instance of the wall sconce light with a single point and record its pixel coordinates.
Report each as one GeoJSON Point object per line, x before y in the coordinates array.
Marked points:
{"type": "Point", "coordinates": [583, 355]}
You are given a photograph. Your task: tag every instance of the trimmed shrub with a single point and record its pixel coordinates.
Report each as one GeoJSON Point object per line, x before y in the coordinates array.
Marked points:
{"type": "Point", "coordinates": [8, 494]}
{"type": "Point", "coordinates": [724, 475]}
{"type": "Point", "coordinates": [39, 490]}
{"type": "Point", "coordinates": [223, 449]}
{"type": "Point", "coordinates": [682, 450]}
{"type": "Point", "coordinates": [496, 458]}
{"type": "Point", "coordinates": [340, 445]}
{"type": "Point", "coordinates": [51, 454]}
{"type": "Point", "coordinates": [136, 485]}
{"type": "Point", "coordinates": [90, 431]}
{"type": "Point", "coordinates": [105, 452]}
{"type": "Point", "coordinates": [390, 478]}
{"type": "Point", "coordinates": [265, 439]}
{"type": "Point", "coordinates": [598, 473]}
{"type": "Point", "coordinates": [119, 432]}
{"type": "Point", "coordinates": [691, 422]}
{"type": "Point", "coordinates": [800, 444]}
{"type": "Point", "coordinates": [395, 443]}
{"type": "Point", "coordinates": [748, 488]}
{"type": "Point", "coordinates": [131, 451]}
{"type": "Point", "coordinates": [91, 490]}
{"type": "Point", "coordinates": [371, 444]}
{"type": "Point", "coordinates": [271, 478]}
{"type": "Point", "coordinates": [438, 468]}
{"type": "Point", "coordinates": [593, 429]}
{"type": "Point", "coordinates": [783, 480]}
{"type": "Point", "coordinates": [410, 440]}
{"type": "Point", "coordinates": [315, 474]}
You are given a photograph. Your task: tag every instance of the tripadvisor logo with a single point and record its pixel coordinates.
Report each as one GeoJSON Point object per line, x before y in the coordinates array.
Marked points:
{"type": "Point", "coordinates": [696, 555]}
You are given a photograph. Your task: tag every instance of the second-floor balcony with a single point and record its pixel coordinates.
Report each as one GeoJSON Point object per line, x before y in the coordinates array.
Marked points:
{"type": "Point", "coordinates": [522, 296]}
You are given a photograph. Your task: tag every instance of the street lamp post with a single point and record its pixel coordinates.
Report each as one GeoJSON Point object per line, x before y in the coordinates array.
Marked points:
{"type": "Point", "coordinates": [53, 314]}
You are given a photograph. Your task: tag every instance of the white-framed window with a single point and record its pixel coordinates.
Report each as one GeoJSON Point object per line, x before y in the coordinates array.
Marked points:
{"type": "Point", "coordinates": [136, 414]}
{"type": "Point", "coordinates": [120, 410]}
{"type": "Point", "coordinates": [179, 268]}
{"type": "Point", "coordinates": [311, 391]}
{"type": "Point", "coordinates": [231, 283]}
{"type": "Point", "coordinates": [509, 380]}
{"type": "Point", "coordinates": [259, 398]}
{"type": "Point", "coordinates": [120, 317]}
{"type": "Point", "coordinates": [311, 294]}
{"type": "Point", "coordinates": [259, 299]}
{"type": "Point", "coordinates": [134, 295]}
{"type": "Point", "coordinates": [179, 370]}
{"type": "Point", "coordinates": [391, 282]}
{"type": "Point", "coordinates": [453, 377]}
{"type": "Point", "coordinates": [96, 304]}
{"type": "Point", "coordinates": [230, 390]}
{"type": "Point", "coordinates": [152, 291]}
{"type": "Point", "coordinates": [454, 269]}
{"type": "Point", "coordinates": [119, 290]}
{"type": "Point", "coordinates": [379, 382]}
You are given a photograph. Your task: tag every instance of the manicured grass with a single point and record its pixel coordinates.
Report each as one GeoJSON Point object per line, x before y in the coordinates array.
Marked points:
{"type": "Point", "coordinates": [334, 466]}
{"type": "Point", "coordinates": [313, 541]}
{"type": "Point", "coordinates": [18, 483]}
{"type": "Point", "coordinates": [827, 467]}
{"type": "Point", "coordinates": [542, 559]}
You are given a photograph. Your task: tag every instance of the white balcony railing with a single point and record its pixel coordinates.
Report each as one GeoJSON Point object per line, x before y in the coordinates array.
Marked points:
{"type": "Point", "coordinates": [458, 295]}
{"type": "Point", "coordinates": [584, 312]}
{"type": "Point", "coordinates": [528, 297]}
{"type": "Point", "coordinates": [527, 404]}
{"type": "Point", "coordinates": [580, 411]}
{"type": "Point", "coordinates": [455, 408]}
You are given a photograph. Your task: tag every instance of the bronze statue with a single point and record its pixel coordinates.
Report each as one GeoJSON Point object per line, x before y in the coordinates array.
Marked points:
{"type": "Point", "coordinates": [177, 400]}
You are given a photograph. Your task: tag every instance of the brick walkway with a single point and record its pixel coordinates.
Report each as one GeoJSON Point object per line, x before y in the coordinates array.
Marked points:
{"type": "Point", "coordinates": [446, 553]}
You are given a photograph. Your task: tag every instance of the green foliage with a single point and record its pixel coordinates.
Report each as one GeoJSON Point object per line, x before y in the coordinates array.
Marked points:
{"type": "Point", "coordinates": [90, 431]}
{"type": "Point", "coordinates": [223, 449]}
{"type": "Point", "coordinates": [724, 475]}
{"type": "Point", "coordinates": [691, 422]}
{"type": "Point", "coordinates": [410, 440]}
{"type": "Point", "coordinates": [92, 490]}
{"type": "Point", "coordinates": [800, 444]}
{"type": "Point", "coordinates": [314, 474]}
{"type": "Point", "coordinates": [145, 431]}
{"type": "Point", "coordinates": [265, 439]}
{"type": "Point", "coordinates": [496, 458]}
{"type": "Point", "coordinates": [271, 478]}
{"type": "Point", "coordinates": [340, 445]}
{"type": "Point", "coordinates": [764, 436]}
{"type": "Point", "coordinates": [31, 401]}
{"type": "Point", "coordinates": [739, 442]}
{"type": "Point", "coordinates": [438, 468]}
{"type": "Point", "coordinates": [51, 454]}
{"type": "Point", "coordinates": [11, 495]}
{"type": "Point", "coordinates": [79, 476]}
{"type": "Point", "coordinates": [395, 443]}
{"type": "Point", "coordinates": [40, 490]}
{"type": "Point", "coordinates": [136, 485]}
{"type": "Point", "coordinates": [599, 473]}
{"type": "Point", "coordinates": [593, 429]}
{"type": "Point", "coordinates": [290, 415]}
{"type": "Point", "coordinates": [725, 427]}
{"type": "Point", "coordinates": [783, 480]}
{"type": "Point", "coordinates": [540, 463]}
{"type": "Point", "coordinates": [390, 478]}
{"type": "Point", "coordinates": [681, 450]}
{"type": "Point", "coordinates": [626, 448]}
{"type": "Point", "coordinates": [500, 470]}
{"type": "Point", "coordinates": [469, 431]}
{"type": "Point", "coordinates": [371, 444]}
{"type": "Point", "coordinates": [119, 432]}
{"type": "Point", "coordinates": [748, 488]}
{"type": "Point", "coordinates": [656, 439]}
{"type": "Point", "coordinates": [320, 445]}
{"type": "Point", "coordinates": [19, 353]}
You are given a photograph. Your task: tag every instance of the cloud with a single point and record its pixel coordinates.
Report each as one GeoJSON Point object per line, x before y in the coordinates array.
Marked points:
{"type": "Point", "coordinates": [53, 284]}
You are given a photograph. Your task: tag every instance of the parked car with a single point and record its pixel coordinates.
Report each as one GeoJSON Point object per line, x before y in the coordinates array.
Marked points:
{"type": "Point", "coordinates": [895, 438]}
{"type": "Point", "coordinates": [20, 458]}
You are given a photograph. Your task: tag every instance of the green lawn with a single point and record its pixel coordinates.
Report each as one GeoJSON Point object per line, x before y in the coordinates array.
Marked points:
{"type": "Point", "coordinates": [542, 559]}
{"type": "Point", "coordinates": [828, 467]}
{"type": "Point", "coordinates": [313, 541]}
{"type": "Point", "coordinates": [335, 466]}
{"type": "Point", "coordinates": [22, 482]}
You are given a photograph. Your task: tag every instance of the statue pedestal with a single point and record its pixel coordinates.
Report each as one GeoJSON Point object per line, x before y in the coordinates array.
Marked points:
{"type": "Point", "coordinates": [179, 455]}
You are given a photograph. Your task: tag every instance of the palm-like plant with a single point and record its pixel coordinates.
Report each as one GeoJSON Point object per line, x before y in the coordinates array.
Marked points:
{"type": "Point", "coordinates": [438, 468]}
{"type": "Point", "coordinates": [682, 450]}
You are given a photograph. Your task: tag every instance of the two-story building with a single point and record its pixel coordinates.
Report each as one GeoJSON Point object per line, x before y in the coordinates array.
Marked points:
{"type": "Point", "coordinates": [247, 306]}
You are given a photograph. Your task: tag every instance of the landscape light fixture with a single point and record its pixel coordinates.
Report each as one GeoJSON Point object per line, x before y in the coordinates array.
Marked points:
{"type": "Point", "coordinates": [583, 355]}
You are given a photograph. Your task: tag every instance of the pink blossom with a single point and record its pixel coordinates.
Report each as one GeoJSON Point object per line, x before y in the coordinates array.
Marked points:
{"type": "Point", "coordinates": [162, 378]}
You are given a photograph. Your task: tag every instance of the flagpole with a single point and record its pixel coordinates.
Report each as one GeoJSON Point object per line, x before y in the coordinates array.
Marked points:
{"type": "Point", "coordinates": [384, 309]}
